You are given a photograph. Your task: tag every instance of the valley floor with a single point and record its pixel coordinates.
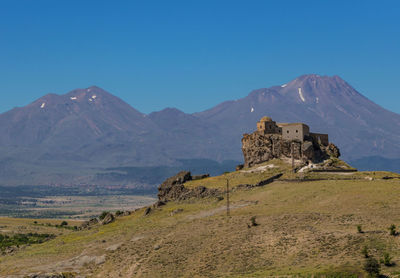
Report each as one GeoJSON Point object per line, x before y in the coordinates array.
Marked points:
{"type": "Point", "coordinates": [302, 228]}
{"type": "Point", "coordinates": [70, 206]}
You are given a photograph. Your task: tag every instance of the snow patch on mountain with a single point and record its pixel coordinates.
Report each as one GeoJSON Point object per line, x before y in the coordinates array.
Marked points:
{"type": "Point", "coordinates": [301, 95]}
{"type": "Point", "coordinates": [43, 105]}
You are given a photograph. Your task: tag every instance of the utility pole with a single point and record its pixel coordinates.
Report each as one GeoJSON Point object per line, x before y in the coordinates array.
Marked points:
{"type": "Point", "coordinates": [292, 153]}
{"type": "Point", "coordinates": [227, 198]}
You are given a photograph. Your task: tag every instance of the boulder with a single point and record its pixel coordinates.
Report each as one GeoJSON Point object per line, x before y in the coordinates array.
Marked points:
{"type": "Point", "coordinates": [159, 204]}
{"type": "Point", "coordinates": [89, 223]}
{"type": "Point", "coordinates": [239, 167]}
{"type": "Point", "coordinates": [332, 150]}
{"type": "Point", "coordinates": [108, 218]}
{"type": "Point", "coordinates": [173, 189]}
{"type": "Point", "coordinates": [147, 211]}
{"type": "Point", "coordinates": [200, 177]}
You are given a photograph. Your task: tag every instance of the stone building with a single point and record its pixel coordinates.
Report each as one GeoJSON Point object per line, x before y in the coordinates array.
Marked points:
{"type": "Point", "coordinates": [290, 131]}
{"type": "Point", "coordinates": [320, 138]}
{"type": "Point", "coordinates": [268, 126]}
{"type": "Point", "coordinates": [278, 140]}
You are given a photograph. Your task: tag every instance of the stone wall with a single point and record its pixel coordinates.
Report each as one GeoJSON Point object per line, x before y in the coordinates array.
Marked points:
{"type": "Point", "coordinates": [259, 147]}
{"type": "Point", "coordinates": [320, 138]}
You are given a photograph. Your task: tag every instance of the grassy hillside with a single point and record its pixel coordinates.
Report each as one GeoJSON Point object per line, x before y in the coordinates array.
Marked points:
{"type": "Point", "coordinates": [302, 228]}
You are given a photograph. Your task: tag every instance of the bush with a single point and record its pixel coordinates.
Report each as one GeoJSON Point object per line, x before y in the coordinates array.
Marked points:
{"type": "Point", "coordinates": [64, 223]}
{"type": "Point", "coordinates": [253, 221]}
{"type": "Point", "coordinates": [392, 230]}
{"type": "Point", "coordinates": [364, 251]}
{"type": "Point", "coordinates": [103, 214]}
{"type": "Point", "coordinates": [22, 239]}
{"type": "Point", "coordinates": [387, 260]}
{"type": "Point", "coordinates": [372, 267]}
{"type": "Point", "coordinates": [118, 213]}
{"type": "Point", "coordinates": [359, 229]}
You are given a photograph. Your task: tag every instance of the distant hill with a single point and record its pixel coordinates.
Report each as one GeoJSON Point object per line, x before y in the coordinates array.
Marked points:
{"type": "Point", "coordinates": [73, 138]}
{"type": "Point", "coordinates": [377, 163]}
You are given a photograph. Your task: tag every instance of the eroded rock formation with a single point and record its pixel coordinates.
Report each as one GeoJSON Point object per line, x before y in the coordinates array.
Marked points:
{"type": "Point", "coordinates": [173, 189]}
{"type": "Point", "coordinates": [259, 147]}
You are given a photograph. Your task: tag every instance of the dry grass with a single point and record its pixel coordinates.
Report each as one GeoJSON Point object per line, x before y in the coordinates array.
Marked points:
{"type": "Point", "coordinates": [251, 175]}
{"type": "Point", "coordinates": [23, 226]}
{"type": "Point", "coordinates": [304, 228]}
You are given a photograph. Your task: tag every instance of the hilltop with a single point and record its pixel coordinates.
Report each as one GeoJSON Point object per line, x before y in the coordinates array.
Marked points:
{"type": "Point", "coordinates": [298, 223]}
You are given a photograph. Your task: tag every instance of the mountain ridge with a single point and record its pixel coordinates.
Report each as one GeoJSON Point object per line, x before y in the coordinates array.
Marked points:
{"type": "Point", "coordinates": [77, 134]}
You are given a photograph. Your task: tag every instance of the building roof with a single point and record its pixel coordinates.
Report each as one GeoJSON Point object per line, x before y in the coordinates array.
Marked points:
{"type": "Point", "coordinates": [287, 124]}
{"type": "Point", "coordinates": [266, 119]}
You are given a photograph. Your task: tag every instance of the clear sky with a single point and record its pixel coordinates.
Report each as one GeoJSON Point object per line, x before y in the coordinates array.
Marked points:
{"type": "Point", "coordinates": [194, 54]}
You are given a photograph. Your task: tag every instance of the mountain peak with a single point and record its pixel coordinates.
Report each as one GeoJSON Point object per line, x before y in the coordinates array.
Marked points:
{"type": "Point", "coordinates": [318, 78]}
{"type": "Point", "coordinates": [171, 111]}
{"type": "Point", "coordinates": [314, 87]}
{"type": "Point", "coordinates": [89, 90]}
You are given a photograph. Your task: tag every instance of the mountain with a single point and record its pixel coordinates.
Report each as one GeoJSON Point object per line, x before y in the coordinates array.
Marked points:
{"type": "Point", "coordinates": [377, 163]}
{"type": "Point", "coordinates": [74, 139]}
{"type": "Point", "coordinates": [327, 104]}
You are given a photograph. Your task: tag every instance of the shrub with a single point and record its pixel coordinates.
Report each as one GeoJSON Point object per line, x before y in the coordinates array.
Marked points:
{"type": "Point", "coordinates": [103, 214]}
{"type": "Point", "coordinates": [64, 223]}
{"type": "Point", "coordinates": [372, 267]}
{"type": "Point", "coordinates": [359, 229]}
{"type": "Point", "coordinates": [118, 213]}
{"type": "Point", "coordinates": [22, 239]}
{"type": "Point", "coordinates": [253, 221]}
{"type": "Point", "coordinates": [392, 230]}
{"type": "Point", "coordinates": [364, 251]}
{"type": "Point", "coordinates": [387, 260]}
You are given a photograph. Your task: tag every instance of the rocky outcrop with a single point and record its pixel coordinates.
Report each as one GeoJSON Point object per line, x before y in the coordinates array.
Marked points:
{"type": "Point", "coordinates": [259, 147]}
{"type": "Point", "coordinates": [173, 189]}
{"type": "Point", "coordinates": [108, 218]}
{"type": "Point", "coordinates": [200, 177]}
{"type": "Point", "coordinates": [332, 150]}
{"type": "Point", "coordinates": [89, 223]}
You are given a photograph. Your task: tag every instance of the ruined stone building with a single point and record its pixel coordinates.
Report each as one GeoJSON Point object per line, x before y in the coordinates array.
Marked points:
{"type": "Point", "coordinates": [275, 140]}
{"type": "Point", "coordinates": [290, 131]}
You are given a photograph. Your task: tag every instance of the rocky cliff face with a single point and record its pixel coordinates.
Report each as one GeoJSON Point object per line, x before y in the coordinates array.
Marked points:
{"type": "Point", "coordinates": [173, 189]}
{"type": "Point", "coordinates": [259, 147]}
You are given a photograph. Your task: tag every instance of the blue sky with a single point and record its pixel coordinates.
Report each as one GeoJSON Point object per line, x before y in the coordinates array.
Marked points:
{"type": "Point", "coordinates": [194, 54]}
